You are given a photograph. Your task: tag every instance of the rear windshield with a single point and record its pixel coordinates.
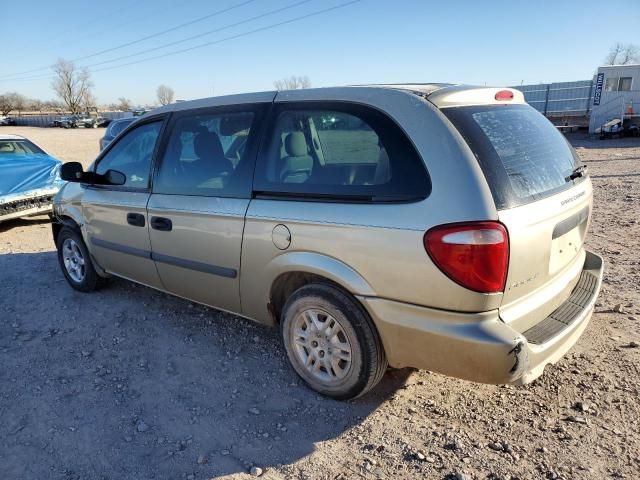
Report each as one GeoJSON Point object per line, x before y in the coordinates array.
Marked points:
{"type": "Point", "coordinates": [522, 155]}
{"type": "Point", "coordinates": [18, 147]}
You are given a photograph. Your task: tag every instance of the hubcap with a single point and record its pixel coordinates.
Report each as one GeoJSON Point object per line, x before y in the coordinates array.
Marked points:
{"type": "Point", "coordinates": [321, 345]}
{"type": "Point", "coordinates": [73, 260]}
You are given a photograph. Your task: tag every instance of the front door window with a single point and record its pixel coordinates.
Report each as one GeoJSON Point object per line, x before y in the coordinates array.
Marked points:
{"type": "Point", "coordinates": [132, 155]}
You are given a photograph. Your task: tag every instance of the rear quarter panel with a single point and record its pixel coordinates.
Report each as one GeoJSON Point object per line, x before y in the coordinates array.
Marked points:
{"type": "Point", "coordinates": [382, 244]}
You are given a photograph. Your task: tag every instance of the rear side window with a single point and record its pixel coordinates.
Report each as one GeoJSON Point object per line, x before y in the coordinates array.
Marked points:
{"type": "Point", "coordinates": [19, 147]}
{"type": "Point", "coordinates": [523, 156]}
{"type": "Point", "coordinates": [344, 152]}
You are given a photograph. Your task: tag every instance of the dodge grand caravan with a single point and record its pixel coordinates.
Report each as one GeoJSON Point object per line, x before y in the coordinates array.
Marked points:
{"type": "Point", "coordinates": [434, 226]}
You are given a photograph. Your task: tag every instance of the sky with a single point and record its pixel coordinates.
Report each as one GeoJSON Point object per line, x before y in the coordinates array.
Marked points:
{"type": "Point", "coordinates": [355, 42]}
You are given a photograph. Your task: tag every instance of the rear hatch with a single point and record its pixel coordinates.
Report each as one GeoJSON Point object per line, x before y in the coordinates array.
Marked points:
{"type": "Point", "coordinates": [543, 197]}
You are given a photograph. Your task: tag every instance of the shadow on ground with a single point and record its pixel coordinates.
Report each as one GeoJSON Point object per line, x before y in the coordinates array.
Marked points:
{"type": "Point", "coordinates": [128, 382]}
{"type": "Point", "coordinates": [23, 222]}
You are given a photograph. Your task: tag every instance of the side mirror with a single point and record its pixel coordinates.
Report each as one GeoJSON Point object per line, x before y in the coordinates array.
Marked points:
{"type": "Point", "coordinates": [114, 177]}
{"type": "Point", "coordinates": [71, 172]}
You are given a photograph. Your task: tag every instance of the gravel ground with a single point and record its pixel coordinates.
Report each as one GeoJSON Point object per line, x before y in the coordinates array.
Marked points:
{"type": "Point", "coordinates": [130, 383]}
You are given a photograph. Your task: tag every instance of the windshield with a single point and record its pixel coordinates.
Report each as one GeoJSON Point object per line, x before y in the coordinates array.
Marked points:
{"type": "Point", "coordinates": [523, 156]}
{"type": "Point", "coordinates": [18, 147]}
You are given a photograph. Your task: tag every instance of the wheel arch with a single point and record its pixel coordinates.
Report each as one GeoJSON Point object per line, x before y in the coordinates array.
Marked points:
{"type": "Point", "coordinates": [72, 218]}
{"type": "Point", "coordinates": [60, 221]}
{"type": "Point", "coordinates": [293, 270]}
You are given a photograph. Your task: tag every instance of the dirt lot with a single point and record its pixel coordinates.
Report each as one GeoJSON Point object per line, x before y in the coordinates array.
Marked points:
{"type": "Point", "coordinates": [129, 383]}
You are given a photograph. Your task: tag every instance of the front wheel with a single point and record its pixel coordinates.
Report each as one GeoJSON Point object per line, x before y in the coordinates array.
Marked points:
{"type": "Point", "coordinates": [331, 342]}
{"type": "Point", "coordinates": [75, 262]}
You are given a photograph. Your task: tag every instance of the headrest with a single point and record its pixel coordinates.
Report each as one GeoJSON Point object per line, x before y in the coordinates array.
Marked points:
{"type": "Point", "coordinates": [207, 145]}
{"type": "Point", "coordinates": [295, 144]}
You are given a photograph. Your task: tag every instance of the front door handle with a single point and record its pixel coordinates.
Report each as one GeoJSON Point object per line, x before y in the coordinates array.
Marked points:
{"type": "Point", "coordinates": [135, 219]}
{"type": "Point", "coordinates": [161, 223]}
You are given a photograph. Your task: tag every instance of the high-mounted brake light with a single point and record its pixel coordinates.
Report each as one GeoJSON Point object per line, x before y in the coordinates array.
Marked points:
{"type": "Point", "coordinates": [504, 95]}
{"type": "Point", "coordinates": [474, 255]}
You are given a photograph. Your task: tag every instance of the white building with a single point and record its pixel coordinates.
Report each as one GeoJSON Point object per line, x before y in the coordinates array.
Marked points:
{"type": "Point", "coordinates": [616, 94]}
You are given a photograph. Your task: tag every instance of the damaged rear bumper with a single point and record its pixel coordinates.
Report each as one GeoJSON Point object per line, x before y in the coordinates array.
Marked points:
{"type": "Point", "coordinates": [24, 204]}
{"type": "Point", "coordinates": [479, 346]}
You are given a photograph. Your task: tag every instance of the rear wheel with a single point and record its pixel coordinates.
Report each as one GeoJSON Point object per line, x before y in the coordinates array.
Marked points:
{"type": "Point", "coordinates": [331, 342]}
{"type": "Point", "coordinates": [75, 262]}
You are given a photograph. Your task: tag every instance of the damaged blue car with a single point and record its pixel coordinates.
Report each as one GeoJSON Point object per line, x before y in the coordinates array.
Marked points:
{"type": "Point", "coordinates": [29, 178]}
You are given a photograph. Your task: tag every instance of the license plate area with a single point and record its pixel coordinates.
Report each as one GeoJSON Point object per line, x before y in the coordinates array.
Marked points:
{"type": "Point", "coordinates": [567, 239]}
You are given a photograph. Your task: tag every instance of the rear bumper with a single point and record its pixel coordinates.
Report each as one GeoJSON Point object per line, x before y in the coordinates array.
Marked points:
{"type": "Point", "coordinates": [479, 346]}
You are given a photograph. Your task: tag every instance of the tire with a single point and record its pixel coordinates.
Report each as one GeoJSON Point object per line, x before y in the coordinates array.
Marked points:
{"type": "Point", "coordinates": [75, 261]}
{"type": "Point", "coordinates": [331, 342]}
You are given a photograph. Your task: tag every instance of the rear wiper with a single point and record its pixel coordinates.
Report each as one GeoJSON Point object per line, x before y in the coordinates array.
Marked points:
{"type": "Point", "coordinates": [578, 172]}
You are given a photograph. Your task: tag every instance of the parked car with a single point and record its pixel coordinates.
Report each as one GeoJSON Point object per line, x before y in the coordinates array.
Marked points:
{"type": "Point", "coordinates": [433, 226]}
{"type": "Point", "coordinates": [7, 121]}
{"type": "Point", "coordinates": [114, 128]}
{"type": "Point", "coordinates": [618, 128]}
{"type": "Point", "coordinates": [56, 122]}
{"type": "Point", "coordinates": [611, 129]}
{"type": "Point", "coordinates": [64, 122]}
{"type": "Point", "coordinates": [92, 122]}
{"type": "Point", "coordinates": [29, 178]}
{"type": "Point", "coordinates": [632, 130]}
{"type": "Point", "coordinates": [77, 121]}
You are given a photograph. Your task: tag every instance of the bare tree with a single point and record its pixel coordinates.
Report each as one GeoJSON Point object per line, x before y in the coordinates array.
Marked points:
{"type": "Point", "coordinates": [11, 101]}
{"type": "Point", "coordinates": [89, 102]}
{"type": "Point", "coordinates": [124, 105]}
{"type": "Point", "coordinates": [53, 106]}
{"type": "Point", "coordinates": [73, 86]}
{"type": "Point", "coordinates": [35, 104]}
{"type": "Point", "coordinates": [292, 83]}
{"type": "Point", "coordinates": [614, 53]}
{"type": "Point", "coordinates": [621, 54]}
{"type": "Point", "coordinates": [20, 103]}
{"type": "Point", "coordinates": [165, 94]}
{"type": "Point", "coordinates": [630, 55]}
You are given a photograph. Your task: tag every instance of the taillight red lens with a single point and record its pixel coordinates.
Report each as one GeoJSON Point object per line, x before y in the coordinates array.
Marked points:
{"type": "Point", "coordinates": [474, 255]}
{"type": "Point", "coordinates": [504, 95]}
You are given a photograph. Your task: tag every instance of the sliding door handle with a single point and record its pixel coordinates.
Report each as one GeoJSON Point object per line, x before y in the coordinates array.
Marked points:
{"type": "Point", "coordinates": [161, 223]}
{"type": "Point", "coordinates": [135, 219]}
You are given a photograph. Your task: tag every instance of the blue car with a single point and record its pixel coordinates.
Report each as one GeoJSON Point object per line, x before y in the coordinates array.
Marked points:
{"type": "Point", "coordinates": [29, 178]}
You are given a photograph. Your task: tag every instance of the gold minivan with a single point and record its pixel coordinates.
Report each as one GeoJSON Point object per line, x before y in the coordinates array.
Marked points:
{"type": "Point", "coordinates": [433, 226]}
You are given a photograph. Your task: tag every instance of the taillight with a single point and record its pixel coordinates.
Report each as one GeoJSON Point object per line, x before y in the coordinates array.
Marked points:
{"type": "Point", "coordinates": [504, 95]}
{"type": "Point", "coordinates": [474, 255]}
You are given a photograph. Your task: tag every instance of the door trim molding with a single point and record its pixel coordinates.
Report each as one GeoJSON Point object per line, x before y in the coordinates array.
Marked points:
{"type": "Point", "coordinates": [198, 266]}
{"type": "Point", "coordinates": [136, 252]}
{"type": "Point", "coordinates": [169, 260]}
